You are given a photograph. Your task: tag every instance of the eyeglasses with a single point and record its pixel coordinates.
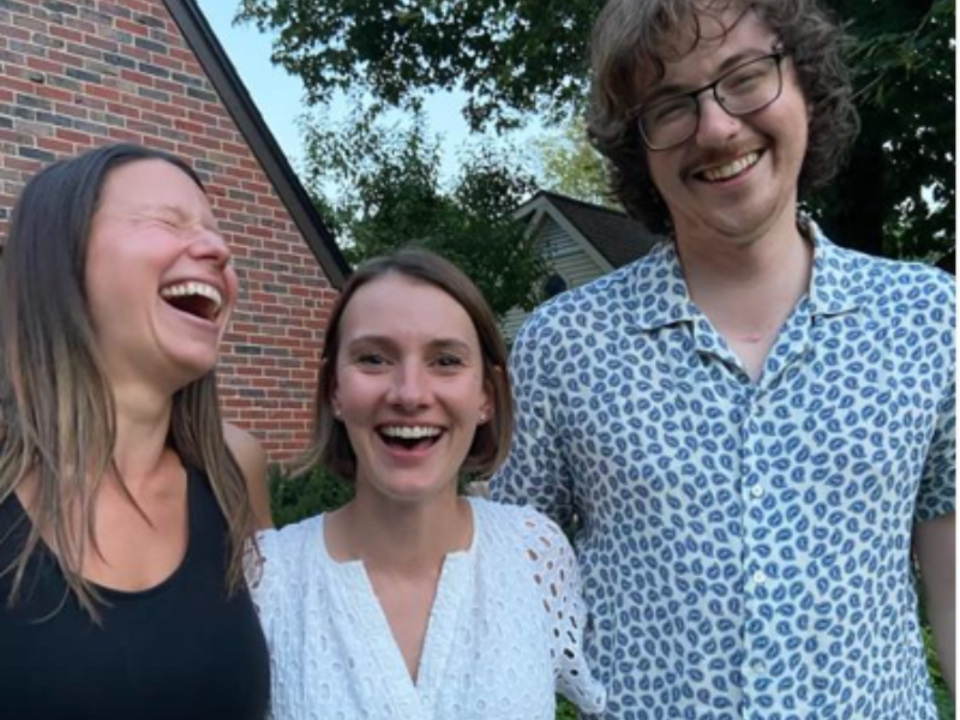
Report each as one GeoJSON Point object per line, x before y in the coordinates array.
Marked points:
{"type": "Point", "coordinates": [747, 88]}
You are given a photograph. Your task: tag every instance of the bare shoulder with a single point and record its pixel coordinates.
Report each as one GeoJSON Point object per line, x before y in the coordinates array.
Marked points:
{"type": "Point", "coordinates": [246, 449]}
{"type": "Point", "coordinates": [252, 460]}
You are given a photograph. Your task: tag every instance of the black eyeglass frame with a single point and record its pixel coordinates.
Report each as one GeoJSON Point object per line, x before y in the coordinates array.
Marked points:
{"type": "Point", "coordinates": [777, 55]}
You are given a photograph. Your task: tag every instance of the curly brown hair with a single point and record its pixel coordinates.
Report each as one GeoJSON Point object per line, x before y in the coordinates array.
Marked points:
{"type": "Point", "coordinates": [629, 34]}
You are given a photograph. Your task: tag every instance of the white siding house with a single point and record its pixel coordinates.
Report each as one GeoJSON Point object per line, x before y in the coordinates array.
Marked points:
{"type": "Point", "coordinates": [581, 242]}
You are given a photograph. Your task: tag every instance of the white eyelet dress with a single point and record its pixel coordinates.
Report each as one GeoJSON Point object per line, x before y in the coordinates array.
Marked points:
{"type": "Point", "coordinates": [505, 632]}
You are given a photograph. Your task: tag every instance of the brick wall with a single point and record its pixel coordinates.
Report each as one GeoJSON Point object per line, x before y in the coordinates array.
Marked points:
{"type": "Point", "coordinates": [74, 75]}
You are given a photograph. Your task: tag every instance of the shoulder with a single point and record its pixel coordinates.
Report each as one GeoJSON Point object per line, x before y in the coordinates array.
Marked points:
{"type": "Point", "coordinates": [518, 523]}
{"type": "Point", "coordinates": [289, 543]}
{"type": "Point", "coordinates": [246, 449]}
{"type": "Point", "coordinates": [280, 578]}
{"type": "Point", "coordinates": [252, 460]}
{"type": "Point", "coordinates": [281, 556]}
{"type": "Point", "coordinates": [285, 552]}
{"type": "Point", "coordinates": [611, 293]}
{"type": "Point", "coordinates": [895, 288]}
{"type": "Point", "coordinates": [598, 307]}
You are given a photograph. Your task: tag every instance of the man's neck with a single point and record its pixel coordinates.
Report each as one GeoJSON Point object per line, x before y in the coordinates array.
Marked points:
{"type": "Point", "coordinates": [748, 289]}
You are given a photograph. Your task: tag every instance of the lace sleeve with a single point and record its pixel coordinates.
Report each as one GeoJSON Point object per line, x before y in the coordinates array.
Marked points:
{"type": "Point", "coordinates": [259, 560]}
{"type": "Point", "coordinates": [557, 576]}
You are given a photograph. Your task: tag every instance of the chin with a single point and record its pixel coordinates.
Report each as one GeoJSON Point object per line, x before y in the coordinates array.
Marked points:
{"type": "Point", "coordinates": [189, 370]}
{"type": "Point", "coordinates": [417, 490]}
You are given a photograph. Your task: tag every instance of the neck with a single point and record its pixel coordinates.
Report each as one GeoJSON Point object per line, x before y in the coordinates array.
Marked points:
{"type": "Point", "coordinates": [143, 425]}
{"type": "Point", "coordinates": [400, 538]}
{"type": "Point", "coordinates": [748, 288]}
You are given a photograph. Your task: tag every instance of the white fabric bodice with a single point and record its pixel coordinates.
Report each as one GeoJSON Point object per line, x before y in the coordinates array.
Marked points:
{"type": "Point", "coordinates": [504, 634]}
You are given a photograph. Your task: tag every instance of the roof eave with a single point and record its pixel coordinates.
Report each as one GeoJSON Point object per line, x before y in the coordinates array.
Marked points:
{"type": "Point", "coordinates": [225, 79]}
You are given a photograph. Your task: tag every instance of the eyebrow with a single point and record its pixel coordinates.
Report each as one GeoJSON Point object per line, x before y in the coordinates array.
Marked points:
{"type": "Point", "coordinates": [151, 207]}
{"type": "Point", "coordinates": [385, 341]}
{"type": "Point", "coordinates": [209, 220]}
{"type": "Point", "coordinates": [662, 92]}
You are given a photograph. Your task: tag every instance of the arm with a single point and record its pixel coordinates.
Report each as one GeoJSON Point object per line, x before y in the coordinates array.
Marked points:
{"type": "Point", "coordinates": [934, 542]}
{"type": "Point", "coordinates": [935, 517]}
{"type": "Point", "coordinates": [557, 577]}
{"type": "Point", "coordinates": [252, 460]}
{"type": "Point", "coordinates": [535, 473]}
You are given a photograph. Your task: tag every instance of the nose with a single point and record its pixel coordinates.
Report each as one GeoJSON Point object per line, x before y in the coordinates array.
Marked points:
{"type": "Point", "coordinates": [716, 125]}
{"type": "Point", "coordinates": [209, 244]}
{"type": "Point", "coordinates": [410, 389]}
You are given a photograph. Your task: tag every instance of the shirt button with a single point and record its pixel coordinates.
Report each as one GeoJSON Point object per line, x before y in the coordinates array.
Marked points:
{"type": "Point", "coordinates": [759, 577]}
{"type": "Point", "coordinates": [758, 666]}
{"type": "Point", "coordinates": [757, 491]}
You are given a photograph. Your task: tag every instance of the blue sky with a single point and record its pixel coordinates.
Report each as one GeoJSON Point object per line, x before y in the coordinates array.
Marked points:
{"type": "Point", "coordinates": [279, 96]}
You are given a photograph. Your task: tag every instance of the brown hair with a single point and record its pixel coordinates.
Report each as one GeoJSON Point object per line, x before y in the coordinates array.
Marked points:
{"type": "Point", "coordinates": [330, 446]}
{"type": "Point", "coordinates": [57, 412]}
{"type": "Point", "coordinates": [627, 38]}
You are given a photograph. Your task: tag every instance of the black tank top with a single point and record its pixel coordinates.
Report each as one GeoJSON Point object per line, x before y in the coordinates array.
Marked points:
{"type": "Point", "coordinates": [182, 650]}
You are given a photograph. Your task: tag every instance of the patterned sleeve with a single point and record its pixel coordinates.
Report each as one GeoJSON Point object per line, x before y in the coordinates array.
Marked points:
{"type": "Point", "coordinates": [535, 473]}
{"type": "Point", "coordinates": [557, 576]}
{"type": "Point", "coordinates": [938, 484]}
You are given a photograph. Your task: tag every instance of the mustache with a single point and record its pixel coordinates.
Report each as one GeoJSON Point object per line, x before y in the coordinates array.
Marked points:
{"type": "Point", "coordinates": [716, 157]}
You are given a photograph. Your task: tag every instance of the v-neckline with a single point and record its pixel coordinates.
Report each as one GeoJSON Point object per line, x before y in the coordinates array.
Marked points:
{"type": "Point", "coordinates": [356, 592]}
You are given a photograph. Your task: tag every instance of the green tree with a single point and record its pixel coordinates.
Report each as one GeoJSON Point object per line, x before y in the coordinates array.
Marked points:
{"type": "Point", "coordinates": [569, 165]}
{"type": "Point", "coordinates": [896, 197]}
{"type": "Point", "coordinates": [510, 57]}
{"type": "Point", "coordinates": [391, 196]}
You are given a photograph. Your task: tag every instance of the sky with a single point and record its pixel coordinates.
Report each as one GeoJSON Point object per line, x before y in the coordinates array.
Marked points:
{"type": "Point", "coordinates": [279, 96]}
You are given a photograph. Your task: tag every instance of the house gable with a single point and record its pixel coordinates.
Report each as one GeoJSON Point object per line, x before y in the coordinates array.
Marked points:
{"type": "Point", "coordinates": [581, 242]}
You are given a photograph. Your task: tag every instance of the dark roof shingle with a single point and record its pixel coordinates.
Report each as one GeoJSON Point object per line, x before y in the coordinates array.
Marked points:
{"type": "Point", "coordinates": [618, 237]}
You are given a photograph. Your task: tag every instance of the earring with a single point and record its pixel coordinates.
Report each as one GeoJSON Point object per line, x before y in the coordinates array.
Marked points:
{"type": "Point", "coordinates": [483, 417]}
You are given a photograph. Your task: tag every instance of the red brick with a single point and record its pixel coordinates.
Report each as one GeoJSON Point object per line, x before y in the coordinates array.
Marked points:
{"type": "Point", "coordinates": [58, 146]}
{"type": "Point", "coordinates": [131, 27]}
{"type": "Point", "coordinates": [59, 31]}
{"type": "Point", "coordinates": [42, 65]}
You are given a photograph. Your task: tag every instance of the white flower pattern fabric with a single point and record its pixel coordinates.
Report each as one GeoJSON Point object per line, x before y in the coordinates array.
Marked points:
{"type": "Point", "coordinates": [504, 634]}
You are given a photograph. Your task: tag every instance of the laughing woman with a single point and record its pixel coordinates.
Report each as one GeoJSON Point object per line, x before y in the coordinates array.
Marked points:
{"type": "Point", "coordinates": [411, 601]}
{"type": "Point", "coordinates": [123, 514]}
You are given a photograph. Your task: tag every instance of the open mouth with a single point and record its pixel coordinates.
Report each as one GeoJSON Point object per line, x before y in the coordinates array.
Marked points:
{"type": "Point", "coordinates": [730, 170]}
{"type": "Point", "coordinates": [410, 437]}
{"type": "Point", "coordinates": [194, 298]}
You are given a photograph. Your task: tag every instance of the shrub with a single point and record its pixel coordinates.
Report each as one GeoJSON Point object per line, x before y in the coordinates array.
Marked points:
{"type": "Point", "coordinates": [295, 498]}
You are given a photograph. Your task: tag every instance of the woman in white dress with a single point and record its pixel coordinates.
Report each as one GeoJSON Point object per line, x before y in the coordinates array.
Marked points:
{"type": "Point", "coordinates": [413, 602]}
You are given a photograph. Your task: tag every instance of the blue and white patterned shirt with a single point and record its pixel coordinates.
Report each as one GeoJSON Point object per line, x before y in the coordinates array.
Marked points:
{"type": "Point", "coordinates": [745, 546]}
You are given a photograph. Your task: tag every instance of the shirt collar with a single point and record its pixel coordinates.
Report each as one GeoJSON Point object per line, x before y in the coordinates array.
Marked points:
{"type": "Point", "coordinates": [661, 291]}
{"type": "Point", "coordinates": [833, 285]}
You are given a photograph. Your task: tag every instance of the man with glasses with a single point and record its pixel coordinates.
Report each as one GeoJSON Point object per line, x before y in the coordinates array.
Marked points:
{"type": "Point", "coordinates": [751, 429]}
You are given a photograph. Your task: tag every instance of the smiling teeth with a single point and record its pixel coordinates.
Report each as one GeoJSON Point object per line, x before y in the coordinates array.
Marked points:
{"type": "Point", "coordinates": [411, 433]}
{"type": "Point", "coordinates": [727, 171]}
{"type": "Point", "coordinates": [194, 288]}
